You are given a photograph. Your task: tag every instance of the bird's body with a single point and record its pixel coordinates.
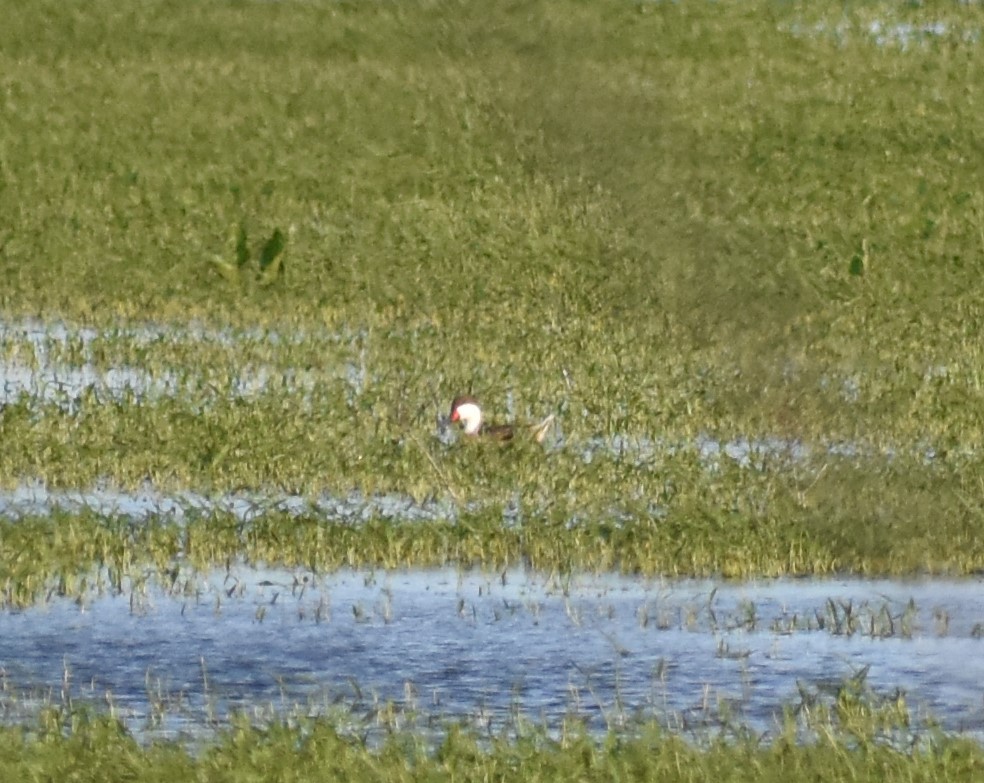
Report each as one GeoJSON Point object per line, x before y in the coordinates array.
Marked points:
{"type": "Point", "coordinates": [465, 409]}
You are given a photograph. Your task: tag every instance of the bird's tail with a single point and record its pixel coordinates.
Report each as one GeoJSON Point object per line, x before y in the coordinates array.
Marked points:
{"type": "Point", "coordinates": [540, 430]}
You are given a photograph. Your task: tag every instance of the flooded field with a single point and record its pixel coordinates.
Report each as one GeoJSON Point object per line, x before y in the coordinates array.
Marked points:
{"type": "Point", "coordinates": [254, 250]}
{"type": "Point", "coordinates": [177, 658]}
{"type": "Point", "coordinates": [175, 652]}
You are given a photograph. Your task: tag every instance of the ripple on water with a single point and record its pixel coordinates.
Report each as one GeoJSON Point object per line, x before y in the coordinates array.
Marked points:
{"type": "Point", "coordinates": [481, 647]}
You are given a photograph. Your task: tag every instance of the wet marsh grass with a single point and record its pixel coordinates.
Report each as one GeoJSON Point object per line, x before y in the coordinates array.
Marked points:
{"type": "Point", "coordinates": [854, 735]}
{"type": "Point", "coordinates": [639, 210]}
{"type": "Point", "coordinates": [647, 504]}
{"type": "Point", "coordinates": [659, 222]}
{"type": "Point", "coordinates": [721, 533]}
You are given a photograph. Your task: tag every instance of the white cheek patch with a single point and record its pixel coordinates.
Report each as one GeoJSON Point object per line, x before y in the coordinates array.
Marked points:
{"type": "Point", "coordinates": [470, 416]}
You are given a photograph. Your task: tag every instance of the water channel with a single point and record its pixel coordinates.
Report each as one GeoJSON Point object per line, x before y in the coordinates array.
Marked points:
{"type": "Point", "coordinates": [173, 658]}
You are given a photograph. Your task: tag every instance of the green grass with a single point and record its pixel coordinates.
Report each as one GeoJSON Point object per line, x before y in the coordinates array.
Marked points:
{"type": "Point", "coordinates": [656, 221]}
{"type": "Point", "coordinates": [851, 744]}
{"type": "Point", "coordinates": [676, 178]}
{"type": "Point", "coordinates": [700, 166]}
{"type": "Point", "coordinates": [766, 526]}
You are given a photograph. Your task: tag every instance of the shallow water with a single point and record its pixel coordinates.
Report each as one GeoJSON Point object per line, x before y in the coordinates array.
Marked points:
{"type": "Point", "coordinates": [889, 33]}
{"type": "Point", "coordinates": [175, 659]}
{"type": "Point", "coordinates": [34, 499]}
{"type": "Point", "coordinates": [33, 369]}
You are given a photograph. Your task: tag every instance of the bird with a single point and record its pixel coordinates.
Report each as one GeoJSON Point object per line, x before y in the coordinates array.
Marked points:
{"type": "Point", "coordinates": [465, 409]}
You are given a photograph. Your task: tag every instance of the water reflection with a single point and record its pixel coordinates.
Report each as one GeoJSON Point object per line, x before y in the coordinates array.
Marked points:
{"type": "Point", "coordinates": [176, 656]}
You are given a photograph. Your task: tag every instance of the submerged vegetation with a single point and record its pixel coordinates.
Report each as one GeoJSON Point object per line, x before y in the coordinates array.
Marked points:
{"type": "Point", "coordinates": [734, 248]}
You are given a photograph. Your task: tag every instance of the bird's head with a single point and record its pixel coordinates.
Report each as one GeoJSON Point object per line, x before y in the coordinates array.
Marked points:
{"type": "Point", "coordinates": [467, 411]}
